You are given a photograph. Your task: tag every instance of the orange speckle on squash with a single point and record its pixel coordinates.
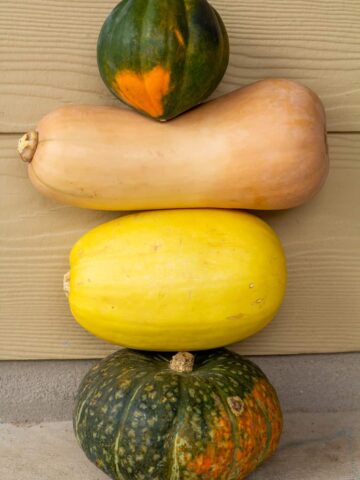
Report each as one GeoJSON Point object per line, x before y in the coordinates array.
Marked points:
{"type": "Point", "coordinates": [179, 37]}
{"type": "Point", "coordinates": [144, 91]}
{"type": "Point", "coordinates": [267, 399]}
{"type": "Point", "coordinates": [253, 437]}
{"type": "Point", "coordinates": [214, 462]}
{"type": "Point", "coordinates": [255, 443]}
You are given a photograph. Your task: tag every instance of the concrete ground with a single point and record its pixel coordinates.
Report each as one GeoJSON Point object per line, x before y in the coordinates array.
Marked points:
{"type": "Point", "coordinates": [42, 391]}
{"type": "Point", "coordinates": [314, 446]}
{"type": "Point", "coordinates": [320, 395]}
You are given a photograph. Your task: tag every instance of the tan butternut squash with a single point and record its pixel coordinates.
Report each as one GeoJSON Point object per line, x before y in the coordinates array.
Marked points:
{"type": "Point", "coordinates": [259, 147]}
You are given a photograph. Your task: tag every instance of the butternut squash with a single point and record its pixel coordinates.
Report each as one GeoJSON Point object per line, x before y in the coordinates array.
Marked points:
{"type": "Point", "coordinates": [260, 147]}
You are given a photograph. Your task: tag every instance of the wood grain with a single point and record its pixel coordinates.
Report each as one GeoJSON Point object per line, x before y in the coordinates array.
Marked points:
{"type": "Point", "coordinates": [48, 53]}
{"type": "Point", "coordinates": [321, 239]}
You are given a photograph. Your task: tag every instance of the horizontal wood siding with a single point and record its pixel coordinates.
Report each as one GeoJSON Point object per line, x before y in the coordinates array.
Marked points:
{"type": "Point", "coordinates": [48, 58]}
{"type": "Point", "coordinates": [48, 53]}
{"type": "Point", "coordinates": [321, 239]}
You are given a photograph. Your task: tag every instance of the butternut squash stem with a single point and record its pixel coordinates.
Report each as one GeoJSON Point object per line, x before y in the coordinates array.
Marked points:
{"type": "Point", "coordinates": [66, 283]}
{"type": "Point", "coordinates": [182, 362]}
{"type": "Point", "coordinates": [27, 145]}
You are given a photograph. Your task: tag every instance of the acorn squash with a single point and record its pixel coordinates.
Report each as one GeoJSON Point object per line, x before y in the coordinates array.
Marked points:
{"type": "Point", "coordinates": [163, 57]}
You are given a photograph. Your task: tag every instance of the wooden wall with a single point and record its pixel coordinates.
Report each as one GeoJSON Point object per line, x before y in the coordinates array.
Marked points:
{"type": "Point", "coordinates": [48, 58]}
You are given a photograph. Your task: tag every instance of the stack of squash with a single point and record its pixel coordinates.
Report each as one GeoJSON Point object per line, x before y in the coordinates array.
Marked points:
{"type": "Point", "coordinates": [191, 276]}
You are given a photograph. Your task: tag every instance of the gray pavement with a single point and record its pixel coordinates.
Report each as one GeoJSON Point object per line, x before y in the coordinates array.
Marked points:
{"type": "Point", "coordinates": [314, 446]}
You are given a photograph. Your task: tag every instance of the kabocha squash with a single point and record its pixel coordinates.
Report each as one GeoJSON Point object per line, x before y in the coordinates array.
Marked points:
{"type": "Point", "coordinates": [260, 147]}
{"type": "Point", "coordinates": [162, 58]}
{"type": "Point", "coordinates": [177, 279]}
{"type": "Point", "coordinates": [145, 416]}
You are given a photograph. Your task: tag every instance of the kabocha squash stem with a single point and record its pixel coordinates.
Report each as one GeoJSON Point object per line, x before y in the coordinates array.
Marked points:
{"type": "Point", "coordinates": [27, 145]}
{"type": "Point", "coordinates": [182, 362]}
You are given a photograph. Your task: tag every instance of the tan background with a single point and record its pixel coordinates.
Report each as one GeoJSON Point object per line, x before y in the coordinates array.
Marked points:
{"type": "Point", "coordinates": [48, 58]}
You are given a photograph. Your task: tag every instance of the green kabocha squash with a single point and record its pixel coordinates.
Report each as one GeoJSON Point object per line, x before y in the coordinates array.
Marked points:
{"type": "Point", "coordinates": [163, 57]}
{"type": "Point", "coordinates": [149, 416]}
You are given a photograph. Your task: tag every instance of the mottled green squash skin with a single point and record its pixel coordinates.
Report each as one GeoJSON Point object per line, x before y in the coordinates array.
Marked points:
{"type": "Point", "coordinates": [163, 57]}
{"type": "Point", "coordinates": [137, 419]}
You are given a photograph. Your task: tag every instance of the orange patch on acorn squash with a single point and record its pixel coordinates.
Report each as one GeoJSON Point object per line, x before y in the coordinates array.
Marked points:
{"type": "Point", "coordinates": [144, 91]}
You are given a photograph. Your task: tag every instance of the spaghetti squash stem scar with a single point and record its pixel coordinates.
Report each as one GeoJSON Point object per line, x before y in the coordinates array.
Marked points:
{"type": "Point", "coordinates": [66, 283]}
{"type": "Point", "coordinates": [27, 145]}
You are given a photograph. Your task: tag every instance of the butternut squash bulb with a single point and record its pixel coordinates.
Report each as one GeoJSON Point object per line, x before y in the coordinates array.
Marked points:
{"type": "Point", "coordinates": [260, 147]}
{"type": "Point", "coordinates": [177, 279]}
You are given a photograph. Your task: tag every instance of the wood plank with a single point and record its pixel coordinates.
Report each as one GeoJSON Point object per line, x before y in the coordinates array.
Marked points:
{"type": "Point", "coordinates": [48, 52]}
{"type": "Point", "coordinates": [321, 239]}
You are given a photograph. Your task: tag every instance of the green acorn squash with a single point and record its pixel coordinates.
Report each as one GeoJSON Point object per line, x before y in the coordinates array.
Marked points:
{"type": "Point", "coordinates": [163, 57]}
{"type": "Point", "coordinates": [145, 416]}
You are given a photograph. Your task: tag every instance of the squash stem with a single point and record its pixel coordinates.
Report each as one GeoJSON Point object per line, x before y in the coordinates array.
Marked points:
{"type": "Point", "coordinates": [27, 146]}
{"type": "Point", "coordinates": [182, 362]}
